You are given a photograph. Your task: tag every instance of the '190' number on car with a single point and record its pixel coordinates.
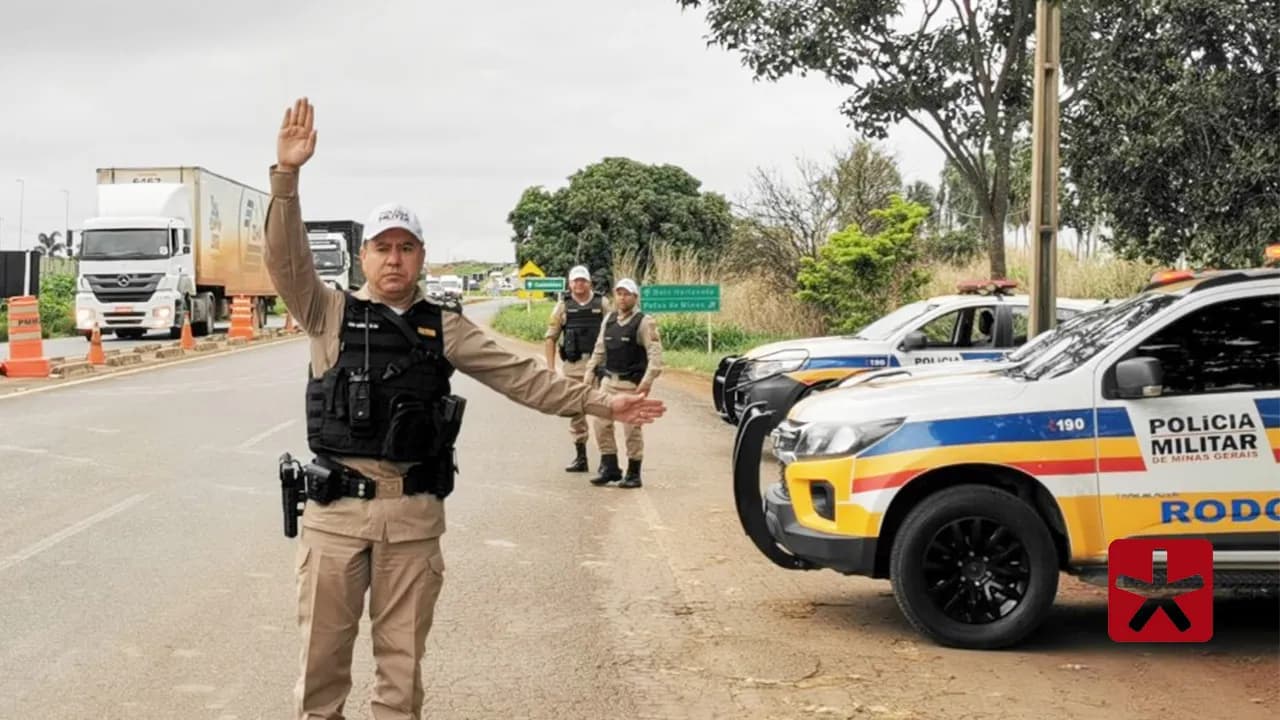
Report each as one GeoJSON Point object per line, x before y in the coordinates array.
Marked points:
{"type": "Point", "coordinates": [1075, 424]}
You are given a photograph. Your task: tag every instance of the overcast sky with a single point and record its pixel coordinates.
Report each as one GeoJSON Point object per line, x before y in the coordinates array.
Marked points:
{"type": "Point", "coordinates": [453, 108]}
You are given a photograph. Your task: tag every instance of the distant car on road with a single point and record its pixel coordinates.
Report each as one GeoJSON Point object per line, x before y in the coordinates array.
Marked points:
{"type": "Point", "coordinates": [452, 286]}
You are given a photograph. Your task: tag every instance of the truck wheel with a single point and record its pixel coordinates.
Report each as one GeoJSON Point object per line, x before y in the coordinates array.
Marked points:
{"type": "Point", "coordinates": [205, 326]}
{"type": "Point", "coordinates": [974, 567]}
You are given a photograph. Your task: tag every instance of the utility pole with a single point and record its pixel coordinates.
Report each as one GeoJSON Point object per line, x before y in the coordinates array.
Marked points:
{"type": "Point", "coordinates": [1044, 167]}
{"type": "Point", "coordinates": [66, 219]}
{"type": "Point", "coordinates": [26, 265]}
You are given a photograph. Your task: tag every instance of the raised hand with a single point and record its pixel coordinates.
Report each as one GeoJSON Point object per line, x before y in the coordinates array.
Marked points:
{"type": "Point", "coordinates": [297, 140]}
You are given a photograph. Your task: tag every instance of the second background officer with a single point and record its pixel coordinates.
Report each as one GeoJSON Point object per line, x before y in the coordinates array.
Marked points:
{"type": "Point", "coordinates": [629, 354]}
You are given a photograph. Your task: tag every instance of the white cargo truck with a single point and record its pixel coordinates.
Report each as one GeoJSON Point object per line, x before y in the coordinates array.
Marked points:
{"type": "Point", "coordinates": [167, 241]}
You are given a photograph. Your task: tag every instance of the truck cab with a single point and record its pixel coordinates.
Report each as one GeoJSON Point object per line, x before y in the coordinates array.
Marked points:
{"type": "Point", "coordinates": [333, 263]}
{"type": "Point", "coordinates": [137, 264]}
{"type": "Point", "coordinates": [335, 248]}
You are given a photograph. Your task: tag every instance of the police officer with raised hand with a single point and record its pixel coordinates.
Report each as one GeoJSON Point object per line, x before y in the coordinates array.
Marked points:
{"type": "Point", "coordinates": [382, 421]}
{"type": "Point", "coordinates": [628, 356]}
{"type": "Point", "coordinates": [571, 335]}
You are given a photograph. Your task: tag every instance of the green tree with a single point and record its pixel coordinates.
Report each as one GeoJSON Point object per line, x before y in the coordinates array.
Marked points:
{"type": "Point", "coordinates": [1171, 124]}
{"type": "Point", "coordinates": [858, 277]}
{"type": "Point", "coordinates": [961, 75]}
{"type": "Point", "coordinates": [614, 207]}
{"type": "Point", "coordinates": [783, 221]}
{"type": "Point", "coordinates": [50, 243]}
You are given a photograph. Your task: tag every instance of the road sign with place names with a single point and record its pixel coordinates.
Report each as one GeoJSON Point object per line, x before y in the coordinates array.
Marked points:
{"type": "Point", "coordinates": [680, 298]}
{"type": "Point", "coordinates": [544, 284]}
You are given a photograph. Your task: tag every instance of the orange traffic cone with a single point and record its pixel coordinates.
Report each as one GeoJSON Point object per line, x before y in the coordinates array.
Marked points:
{"type": "Point", "coordinates": [241, 319]}
{"type": "Point", "coordinates": [188, 340]}
{"type": "Point", "coordinates": [96, 355]}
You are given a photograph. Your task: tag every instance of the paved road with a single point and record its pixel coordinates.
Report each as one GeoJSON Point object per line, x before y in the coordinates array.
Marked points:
{"type": "Point", "coordinates": [143, 574]}
{"type": "Point", "coordinates": [70, 347]}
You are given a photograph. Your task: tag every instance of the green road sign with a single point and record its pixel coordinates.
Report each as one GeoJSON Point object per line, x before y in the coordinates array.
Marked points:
{"type": "Point", "coordinates": [544, 284]}
{"type": "Point", "coordinates": [680, 298]}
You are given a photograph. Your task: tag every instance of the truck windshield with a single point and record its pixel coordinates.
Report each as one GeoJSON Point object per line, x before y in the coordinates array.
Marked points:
{"type": "Point", "coordinates": [884, 327]}
{"type": "Point", "coordinates": [1074, 346]}
{"type": "Point", "coordinates": [124, 244]}
{"type": "Point", "coordinates": [328, 259]}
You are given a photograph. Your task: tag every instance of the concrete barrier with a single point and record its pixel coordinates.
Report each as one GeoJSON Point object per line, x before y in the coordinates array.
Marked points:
{"type": "Point", "coordinates": [170, 352]}
{"type": "Point", "coordinates": [236, 341]}
{"type": "Point", "coordinates": [206, 346]}
{"type": "Point", "coordinates": [122, 360]}
{"type": "Point", "coordinates": [72, 369]}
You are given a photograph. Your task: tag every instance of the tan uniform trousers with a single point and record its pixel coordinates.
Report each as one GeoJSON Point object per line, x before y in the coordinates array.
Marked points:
{"type": "Point", "coordinates": [403, 581]}
{"type": "Point", "coordinates": [605, 439]}
{"type": "Point", "coordinates": [578, 423]}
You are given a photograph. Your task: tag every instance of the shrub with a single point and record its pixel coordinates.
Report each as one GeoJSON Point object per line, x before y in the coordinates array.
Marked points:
{"type": "Point", "coordinates": [57, 302]}
{"type": "Point", "coordinates": [858, 277]}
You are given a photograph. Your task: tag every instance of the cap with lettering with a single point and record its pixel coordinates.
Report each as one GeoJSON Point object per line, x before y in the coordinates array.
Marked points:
{"type": "Point", "coordinates": [579, 272]}
{"type": "Point", "coordinates": [389, 216]}
{"type": "Point", "coordinates": [629, 285]}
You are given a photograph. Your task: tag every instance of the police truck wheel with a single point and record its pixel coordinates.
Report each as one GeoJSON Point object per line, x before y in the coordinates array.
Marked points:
{"type": "Point", "coordinates": [974, 567]}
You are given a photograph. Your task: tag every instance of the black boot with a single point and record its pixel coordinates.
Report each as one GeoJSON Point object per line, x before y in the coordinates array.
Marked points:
{"type": "Point", "coordinates": [632, 480]}
{"type": "Point", "coordinates": [609, 470]}
{"type": "Point", "coordinates": [579, 463]}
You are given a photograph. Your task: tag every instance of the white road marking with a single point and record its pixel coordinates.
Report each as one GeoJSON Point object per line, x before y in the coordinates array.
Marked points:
{"type": "Point", "coordinates": [47, 453]}
{"type": "Point", "coordinates": [500, 543]}
{"type": "Point", "coordinates": [39, 547]}
{"type": "Point", "coordinates": [265, 434]}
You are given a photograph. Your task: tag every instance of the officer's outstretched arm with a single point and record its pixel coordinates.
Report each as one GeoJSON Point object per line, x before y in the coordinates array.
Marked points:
{"type": "Point", "coordinates": [288, 254]}
{"type": "Point", "coordinates": [523, 380]}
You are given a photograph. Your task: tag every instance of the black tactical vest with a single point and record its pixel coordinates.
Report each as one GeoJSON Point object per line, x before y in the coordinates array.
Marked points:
{"type": "Point", "coordinates": [382, 398]}
{"type": "Point", "coordinates": [624, 354]}
{"type": "Point", "coordinates": [581, 327]}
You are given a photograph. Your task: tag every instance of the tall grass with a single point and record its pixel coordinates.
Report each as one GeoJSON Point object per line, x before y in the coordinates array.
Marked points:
{"type": "Point", "coordinates": [1098, 277]}
{"type": "Point", "coordinates": [747, 304]}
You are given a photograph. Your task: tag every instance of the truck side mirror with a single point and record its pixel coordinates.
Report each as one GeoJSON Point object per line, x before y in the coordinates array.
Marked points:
{"type": "Point", "coordinates": [1139, 377]}
{"type": "Point", "coordinates": [915, 340]}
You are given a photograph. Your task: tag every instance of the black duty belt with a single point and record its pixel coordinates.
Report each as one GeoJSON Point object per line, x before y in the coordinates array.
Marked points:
{"type": "Point", "coordinates": [346, 482]}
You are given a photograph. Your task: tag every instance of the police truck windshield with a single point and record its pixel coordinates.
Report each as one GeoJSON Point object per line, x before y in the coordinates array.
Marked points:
{"type": "Point", "coordinates": [1076, 345]}
{"type": "Point", "coordinates": [884, 327]}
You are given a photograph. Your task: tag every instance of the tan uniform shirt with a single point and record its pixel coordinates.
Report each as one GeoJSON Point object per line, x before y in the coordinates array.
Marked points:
{"type": "Point", "coordinates": [647, 334]}
{"type": "Point", "coordinates": [318, 309]}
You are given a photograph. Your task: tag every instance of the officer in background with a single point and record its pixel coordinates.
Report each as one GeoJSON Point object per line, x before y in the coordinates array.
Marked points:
{"type": "Point", "coordinates": [627, 358]}
{"type": "Point", "coordinates": [382, 419]}
{"type": "Point", "coordinates": [575, 324]}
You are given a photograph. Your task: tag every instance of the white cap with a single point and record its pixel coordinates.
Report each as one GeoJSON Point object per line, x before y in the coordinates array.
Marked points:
{"type": "Point", "coordinates": [627, 284]}
{"type": "Point", "coordinates": [579, 271]}
{"type": "Point", "coordinates": [389, 216]}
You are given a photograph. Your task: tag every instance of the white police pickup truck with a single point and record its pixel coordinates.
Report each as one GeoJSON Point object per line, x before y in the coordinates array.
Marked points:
{"type": "Point", "coordinates": [1158, 418]}
{"type": "Point", "coordinates": [983, 322]}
